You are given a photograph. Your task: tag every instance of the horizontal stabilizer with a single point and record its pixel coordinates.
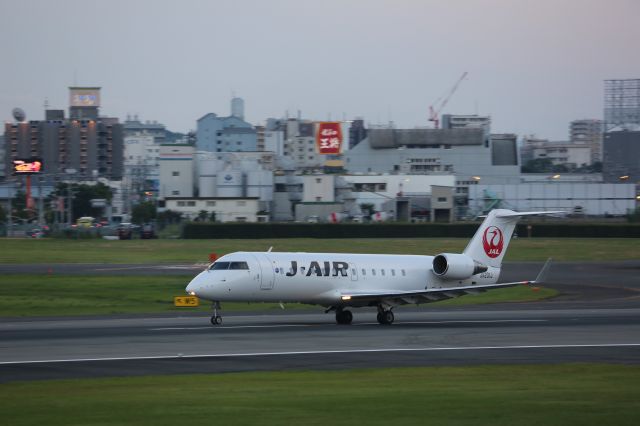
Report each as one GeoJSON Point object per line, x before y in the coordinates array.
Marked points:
{"type": "Point", "coordinates": [507, 213]}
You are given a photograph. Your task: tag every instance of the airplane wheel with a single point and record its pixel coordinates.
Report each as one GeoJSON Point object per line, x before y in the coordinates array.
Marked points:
{"type": "Point", "coordinates": [385, 317]}
{"type": "Point", "coordinates": [216, 320]}
{"type": "Point", "coordinates": [344, 317]}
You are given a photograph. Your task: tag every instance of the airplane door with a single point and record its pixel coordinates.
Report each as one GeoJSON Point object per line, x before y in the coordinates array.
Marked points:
{"type": "Point", "coordinates": [267, 275]}
{"type": "Point", "coordinates": [353, 272]}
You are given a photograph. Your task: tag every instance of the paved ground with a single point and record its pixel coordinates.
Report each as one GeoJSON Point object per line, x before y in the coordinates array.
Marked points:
{"type": "Point", "coordinates": [596, 319]}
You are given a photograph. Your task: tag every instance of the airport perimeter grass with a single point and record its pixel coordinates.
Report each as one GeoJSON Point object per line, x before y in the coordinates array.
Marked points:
{"type": "Point", "coordinates": [565, 394]}
{"type": "Point", "coordinates": [55, 295]}
{"type": "Point", "coordinates": [47, 250]}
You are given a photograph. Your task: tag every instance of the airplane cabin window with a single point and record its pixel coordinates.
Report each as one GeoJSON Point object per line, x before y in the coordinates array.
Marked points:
{"type": "Point", "coordinates": [393, 272]}
{"type": "Point", "coordinates": [239, 265]}
{"type": "Point", "coordinates": [403, 273]}
{"type": "Point", "coordinates": [373, 272]}
{"type": "Point", "coordinates": [364, 271]}
{"type": "Point", "coordinates": [219, 265]}
{"type": "Point", "coordinates": [382, 271]}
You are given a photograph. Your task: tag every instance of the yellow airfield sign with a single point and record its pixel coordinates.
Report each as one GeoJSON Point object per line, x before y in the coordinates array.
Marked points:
{"type": "Point", "coordinates": [186, 301]}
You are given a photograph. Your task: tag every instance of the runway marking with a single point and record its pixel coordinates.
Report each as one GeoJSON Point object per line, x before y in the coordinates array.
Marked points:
{"type": "Point", "coordinates": [233, 327]}
{"type": "Point", "coordinates": [327, 352]}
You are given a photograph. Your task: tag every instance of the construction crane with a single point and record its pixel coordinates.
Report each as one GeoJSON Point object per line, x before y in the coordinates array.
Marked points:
{"type": "Point", "coordinates": [441, 102]}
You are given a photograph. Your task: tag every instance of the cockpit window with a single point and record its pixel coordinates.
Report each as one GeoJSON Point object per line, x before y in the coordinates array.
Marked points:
{"type": "Point", "coordinates": [238, 265]}
{"type": "Point", "coordinates": [219, 265]}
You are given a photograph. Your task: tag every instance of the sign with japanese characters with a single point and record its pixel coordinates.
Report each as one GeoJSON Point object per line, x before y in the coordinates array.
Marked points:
{"type": "Point", "coordinates": [186, 301]}
{"type": "Point", "coordinates": [329, 137]}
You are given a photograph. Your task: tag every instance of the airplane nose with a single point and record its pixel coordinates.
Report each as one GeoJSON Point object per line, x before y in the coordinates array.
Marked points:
{"type": "Point", "coordinates": [193, 287]}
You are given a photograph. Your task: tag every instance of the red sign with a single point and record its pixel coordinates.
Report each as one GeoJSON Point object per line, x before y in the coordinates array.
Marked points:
{"type": "Point", "coordinates": [329, 137]}
{"type": "Point", "coordinates": [492, 241]}
{"type": "Point", "coordinates": [27, 166]}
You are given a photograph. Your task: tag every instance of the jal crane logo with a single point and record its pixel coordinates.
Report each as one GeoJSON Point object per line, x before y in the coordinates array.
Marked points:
{"type": "Point", "coordinates": [492, 241]}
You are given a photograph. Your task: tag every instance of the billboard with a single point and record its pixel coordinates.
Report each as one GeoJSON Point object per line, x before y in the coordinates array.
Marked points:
{"type": "Point", "coordinates": [84, 96]}
{"type": "Point", "coordinates": [27, 166]}
{"type": "Point", "coordinates": [329, 137]}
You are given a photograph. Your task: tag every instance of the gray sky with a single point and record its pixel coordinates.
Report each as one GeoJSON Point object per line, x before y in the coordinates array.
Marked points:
{"type": "Point", "coordinates": [533, 65]}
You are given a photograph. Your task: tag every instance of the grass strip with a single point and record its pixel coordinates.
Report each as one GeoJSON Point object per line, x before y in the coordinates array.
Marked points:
{"type": "Point", "coordinates": [566, 394]}
{"type": "Point", "coordinates": [48, 250]}
{"type": "Point", "coordinates": [55, 295]}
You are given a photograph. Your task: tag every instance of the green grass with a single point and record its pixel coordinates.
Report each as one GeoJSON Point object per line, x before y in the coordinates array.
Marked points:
{"type": "Point", "coordinates": [571, 394]}
{"type": "Point", "coordinates": [193, 251]}
{"type": "Point", "coordinates": [54, 295]}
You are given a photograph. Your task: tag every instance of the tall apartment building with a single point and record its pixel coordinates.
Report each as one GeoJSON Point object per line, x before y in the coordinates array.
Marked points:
{"type": "Point", "coordinates": [588, 132]}
{"type": "Point", "coordinates": [621, 103]}
{"type": "Point", "coordinates": [89, 145]}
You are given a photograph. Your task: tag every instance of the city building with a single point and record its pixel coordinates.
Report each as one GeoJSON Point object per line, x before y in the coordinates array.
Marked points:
{"type": "Point", "coordinates": [176, 166]}
{"type": "Point", "coordinates": [621, 103]}
{"type": "Point", "coordinates": [83, 147]}
{"type": "Point", "coordinates": [621, 156]}
{"type": "Point", "coordinates": [588, 132]}
{"type": "Point", "coordinates": [132, 126]}
{"type": "Point", "coordinates": [566, 153]}
{"type": "Point", "coordinates": [223, 209]}
{"type": "Point", "coordinates": [225, 134]}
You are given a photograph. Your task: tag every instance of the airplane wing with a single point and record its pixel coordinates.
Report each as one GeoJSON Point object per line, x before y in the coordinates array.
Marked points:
{"type": "Point", "coordinates": [395, 297]}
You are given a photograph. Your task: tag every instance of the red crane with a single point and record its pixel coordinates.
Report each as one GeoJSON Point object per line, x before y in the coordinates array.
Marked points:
{"type": "Point", "coordinates": [441, 102]}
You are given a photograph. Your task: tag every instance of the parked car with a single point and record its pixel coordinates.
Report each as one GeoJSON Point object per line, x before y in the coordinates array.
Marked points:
{"type": "Point", "coordinates": [125, 231]}
{"type": "Point", "coordinates": [147, 231]}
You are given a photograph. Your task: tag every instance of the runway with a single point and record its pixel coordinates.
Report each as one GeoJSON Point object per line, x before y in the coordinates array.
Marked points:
{"type": "Point", "coordinates": [596, 319]}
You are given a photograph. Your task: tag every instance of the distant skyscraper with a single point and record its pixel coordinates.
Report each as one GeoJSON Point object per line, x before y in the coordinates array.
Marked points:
{"type": "Point", "coordinates": [237, 108]}
{"type": "Point", "coordinates": [621, 103]}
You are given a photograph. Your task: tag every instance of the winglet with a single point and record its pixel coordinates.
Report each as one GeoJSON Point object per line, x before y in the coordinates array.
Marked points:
{"type": "Point", "coordinates": [542, 275]}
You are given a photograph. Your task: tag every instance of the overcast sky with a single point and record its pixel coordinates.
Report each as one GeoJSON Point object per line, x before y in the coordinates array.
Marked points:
{"type": "Point", "coordinates": [533, 65]}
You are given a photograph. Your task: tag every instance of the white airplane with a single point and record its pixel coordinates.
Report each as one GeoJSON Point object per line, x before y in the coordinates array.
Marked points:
{"type": "Point", "coordinates": [339, 281]}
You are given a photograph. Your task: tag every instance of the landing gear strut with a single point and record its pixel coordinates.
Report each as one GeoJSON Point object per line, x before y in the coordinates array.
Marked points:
{"type": "Point", "coordinates": [385, 316]}
{"type": "Point", "coordinates": [343, 316]}
{"type": "Point", "coordinates": [216, 319]}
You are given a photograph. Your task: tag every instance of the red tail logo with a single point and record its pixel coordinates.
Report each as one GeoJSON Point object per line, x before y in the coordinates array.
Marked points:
{"type": "Point", "coordinates": [492, 241]}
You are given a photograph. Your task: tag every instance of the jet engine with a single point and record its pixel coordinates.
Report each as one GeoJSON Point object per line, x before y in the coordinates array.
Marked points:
{"type": "Point", "coordinates": [456, 266]}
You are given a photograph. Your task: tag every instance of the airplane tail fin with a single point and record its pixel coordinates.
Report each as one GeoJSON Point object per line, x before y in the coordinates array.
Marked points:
{"type": "Point", "coordinates": [490, 242]}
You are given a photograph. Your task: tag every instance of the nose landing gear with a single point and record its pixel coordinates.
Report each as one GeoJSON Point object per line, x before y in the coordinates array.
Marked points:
{"type": "Point", "coordinates": [216, 319]}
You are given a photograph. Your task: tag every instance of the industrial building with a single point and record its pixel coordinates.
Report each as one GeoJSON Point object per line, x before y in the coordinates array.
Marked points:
{"type": "Point", "coordinates": [621, 103]}
{"type": "Point", "coordinates": [224, 134]}
{"type": "Point", "coordinates": [225, 209]}
{"type": "Point", "coordinates": [580, 199]}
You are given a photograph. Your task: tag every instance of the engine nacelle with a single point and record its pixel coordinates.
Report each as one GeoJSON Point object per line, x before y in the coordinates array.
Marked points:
{"type": "Point", "coordinates": [456, 266]}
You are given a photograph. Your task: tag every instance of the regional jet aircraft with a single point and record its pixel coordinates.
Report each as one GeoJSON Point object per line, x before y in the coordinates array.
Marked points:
{"type": "Point", "coordinates": [339, 281]}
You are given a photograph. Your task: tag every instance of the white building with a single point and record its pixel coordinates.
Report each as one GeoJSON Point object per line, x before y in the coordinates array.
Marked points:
{"type": "Point", "coordinates": [226, 209]}
{"type": "Point", "coordinates": [377, 189]}
{"type": "Point", "coordinates": [176, 171]}
{"type": "Point", "coordinates": [569, 154]}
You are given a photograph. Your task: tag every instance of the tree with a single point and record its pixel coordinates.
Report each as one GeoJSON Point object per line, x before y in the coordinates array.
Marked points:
{"type": "Point", "coordinates": [168, 217]}
{"type": "Point", "coordinates": [82, 196]}
{"type": "Point", "coordinates": [143, 212]}
{"type": "Point", "coordinates": [3, 215]}
{"type": "Point", "coordinates": [212, 217]}
{"type": "Point", "coordinates": [367, 208]}
{"type": "Point", "coordinates": [203, 215]}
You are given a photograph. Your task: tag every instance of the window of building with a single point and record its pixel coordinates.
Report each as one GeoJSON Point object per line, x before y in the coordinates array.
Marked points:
{"type": "Point", "coordinates": [318, 180]}
{"type": "Point", "coordinates": [211, 203]}
{"type": "Point", "coordinates": [241, 219]}
{"type": "Point", "coordinates": [181, 203]}
{"type": "Point", "coordinates": [191, 203]}
{"type": "Point", "coordinates": [175, 192]}
{"type": "Point", "coordinates": [175, 173]}
{"type": "Point", "coordinates": [318, 199]}
{"type": "Point", "coordinates": [442, 199]}
{"type": "Point", "coordinates": [241, 203]}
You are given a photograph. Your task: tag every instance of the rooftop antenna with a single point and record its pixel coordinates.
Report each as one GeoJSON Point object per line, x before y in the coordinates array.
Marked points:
{"type": "Point", "coordinates": [46, 104]}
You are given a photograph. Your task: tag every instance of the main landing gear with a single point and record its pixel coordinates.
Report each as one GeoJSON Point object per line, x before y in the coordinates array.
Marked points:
{"type": "Point", "coordinates": [216, 319]}
{"type": "Point", "coordinates": [385, 316]}
{"type": "Point", "coordinates": [343, 316]}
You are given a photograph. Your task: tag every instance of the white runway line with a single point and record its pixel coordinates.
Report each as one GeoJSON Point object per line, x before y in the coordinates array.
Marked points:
{"type": "Point", "coordinates": [327, 352]}
{"type": "Point", "coordinates": [233, 327]}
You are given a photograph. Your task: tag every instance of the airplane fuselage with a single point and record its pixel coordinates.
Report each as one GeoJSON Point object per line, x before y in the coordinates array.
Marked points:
{"type": "Point", "coordinates": [318, 278]}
